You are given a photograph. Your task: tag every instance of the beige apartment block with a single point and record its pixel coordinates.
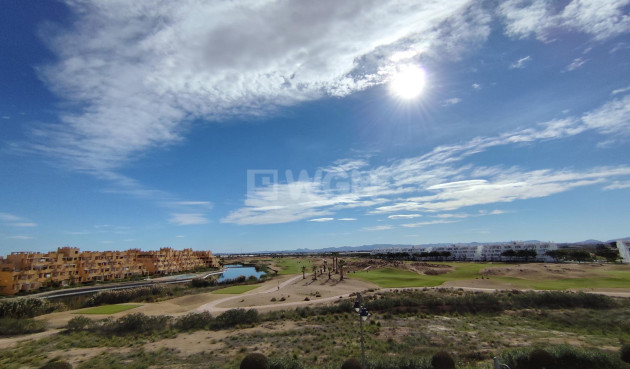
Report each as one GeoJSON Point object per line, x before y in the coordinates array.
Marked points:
{"type": "Point", "coordinates": [27, 271]}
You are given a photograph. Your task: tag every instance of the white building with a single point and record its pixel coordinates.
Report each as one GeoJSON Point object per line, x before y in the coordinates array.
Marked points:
{"type": "Point", "coordinates": [624, 250]}
{"type": "Point", "coordinates": [488, 252]}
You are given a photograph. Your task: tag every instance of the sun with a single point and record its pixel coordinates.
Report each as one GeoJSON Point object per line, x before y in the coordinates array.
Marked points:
{"type": "Point", "coordinates": [408, 82]}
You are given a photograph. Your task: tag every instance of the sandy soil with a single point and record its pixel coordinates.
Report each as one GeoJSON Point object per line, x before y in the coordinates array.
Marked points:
{"type": "Point", "coordinates": [295, 290]}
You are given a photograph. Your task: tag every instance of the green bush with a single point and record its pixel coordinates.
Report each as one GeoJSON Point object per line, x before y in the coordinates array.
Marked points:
{"type": "Point", "coordinates": [13, 326]}
{"type": "Point", "coordinates": [442, 360]}
{"type": "Point", "coordinates": [193, 321]}
{"type": "Point", "coordinates": [26, 307]}
{"type": "Point", "coordinates": [234, 317]}
{"type": "Point", "coordinates": [79, 323]}
{"type": "Point", "coordinates": [147, 293]}
{"type": "Point", "coordinates": [255, 361]}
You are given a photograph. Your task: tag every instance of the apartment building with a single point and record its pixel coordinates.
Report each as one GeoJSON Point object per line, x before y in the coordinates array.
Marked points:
{"type": "Point", "coordinates": [484, 252]}
{"type": "Point", "coordinates": [26, 271]}
{"type": "Point", "coordinates": [624, 250]}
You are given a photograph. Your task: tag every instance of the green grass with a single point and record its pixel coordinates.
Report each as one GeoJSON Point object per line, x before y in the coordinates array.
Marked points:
{"type": "Point", "coordinates": [235, 290]}
{"type": "Point", "coordinates": [389, 277]}
{"type": "Point", "coordinates": [294, 266]}
{"type": "Point", "coordinates": [108, 309]}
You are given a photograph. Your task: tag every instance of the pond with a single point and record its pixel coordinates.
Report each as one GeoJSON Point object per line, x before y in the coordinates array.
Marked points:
{"type": "Point", "coordinates": [236, 270]}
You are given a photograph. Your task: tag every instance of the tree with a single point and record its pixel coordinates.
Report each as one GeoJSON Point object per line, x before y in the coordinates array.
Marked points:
{"type": "Point", "coordinates": [303, 271]}
{"type": "Point", "coordinates": [340, 264]}
{"type": "Point", "coordinates": [510, 254]}
{"type": "Point", "coordinates": [526, 253]}
{"type": "Point", "coordinates": [335, 256]}
{"type": "Point", "coordinates": [580, 255]}
{"type": "Point", "coordinates": [314, 272]}
{"type": "Point", "coordinates": [325, 262]}
{"type": "Point", "coordinates": [610, 254]}
{"type": "Point", "coordinates": [556, 255]}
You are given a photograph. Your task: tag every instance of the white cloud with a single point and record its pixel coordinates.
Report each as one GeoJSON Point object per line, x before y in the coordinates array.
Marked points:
{"type": "Point", "coordinates": [188, 218]}
{"type": "Point", "coordinates": [321, 219]}
{"type": "Point", "coordinates": [618, 185]}
{"type": "Point", "coordinates": [140, 74]}
{"type": "Point", "coordinates": [20, 237]}
{"type": "Point", "coordinates": [437, 181]}
{"type": "Point", "coordinates": [179, 236]}
{"type": "Point", "coordinates": [476, 86]}
{"type": "Point", "coordinates": [576, 64]}
{"type": "Point", "coordinates": [205, 204]}
{"type": "Point", "coordinates": [378, 228]}
{"type": "Point", "coordinates": [601, 19]}
{"type": "Point", "coordinates": [24, 224]}
{"type": "Point", "coordinates": [9, 217]}
{"type": "Point", "coordinates": [431, 222]}
{"type": "Point", "coordinates": [15, 221]}
{"type": "Point", "coordinates": [404, 216]}
{"type": "Point", "coordinates": [620, 90]}
{"type": "Point", "coordinates": [347, 219]}
{"type": "Point", "coordinates": [453, 101]}
{"type": "Point", "coordinates": [521, 63]}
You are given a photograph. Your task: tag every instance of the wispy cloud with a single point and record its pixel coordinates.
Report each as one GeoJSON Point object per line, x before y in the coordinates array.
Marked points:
{"type": "Point", "coordinates": [620, 91]}
{"type": "Point", "coordinates": [404, 216]}
{"type": "Point", "coordinates": [430, 222]}
{"type": "Point", "coordinates": [188, 219]}
{"type": "Point", "coordinates": [15, 221]}
{"type": "Point", "coordinates": [139, 77]}
{"type": "Point", "coordinates": [438, 181]}
{"type": "Point", "coordinates": [378, 228]}
{"type": "Point", "coordinates": [540, 18]}
{"type": "Point", "coordinates": [521, 63]}
{"type": "Point", "coordinates": [321, 220]}
{"type": "Point", "coordinates": [20, 237]}
{"type": "Point", "coordinates": [453, 101]}
{"type": "Point", "coordinates": [347, 219]}
{"type": "Point", "coordinates": [576, 64]}
{"type": "Point", "coordinates": [618, 185]}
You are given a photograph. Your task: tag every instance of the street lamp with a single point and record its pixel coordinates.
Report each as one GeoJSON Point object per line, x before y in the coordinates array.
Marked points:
{"type": "Point", "coordinates": [363, 316]}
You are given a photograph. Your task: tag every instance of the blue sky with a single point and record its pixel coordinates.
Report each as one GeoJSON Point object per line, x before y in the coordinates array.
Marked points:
{"type": "Point", "coordinates": [268, 125]}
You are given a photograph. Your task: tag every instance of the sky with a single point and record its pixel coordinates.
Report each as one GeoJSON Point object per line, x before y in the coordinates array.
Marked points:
{"type": "Point", "coordinates": [243, 126]}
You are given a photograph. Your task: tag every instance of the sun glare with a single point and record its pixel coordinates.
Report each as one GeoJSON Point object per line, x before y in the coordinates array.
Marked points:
{"type": "Point", "coordinates": [408, 82]}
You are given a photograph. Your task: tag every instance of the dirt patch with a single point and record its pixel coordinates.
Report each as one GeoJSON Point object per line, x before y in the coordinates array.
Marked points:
{"type": "Point", "coordinates": [545, 271]}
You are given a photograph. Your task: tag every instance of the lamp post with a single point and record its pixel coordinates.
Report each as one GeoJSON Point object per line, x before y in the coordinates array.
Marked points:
{"type": "Point", "coordinates": [363, 315]}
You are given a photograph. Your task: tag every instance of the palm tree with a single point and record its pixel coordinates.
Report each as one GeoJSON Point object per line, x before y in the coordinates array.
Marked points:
{"type": "Point", "coordinates": [335, 256]}
{"type": "Point", "coordinates": [314, 272]}
{"type": "Point", "coordinates": [340, 264]}
{"type": "Point", "coordinates": [303, 271]}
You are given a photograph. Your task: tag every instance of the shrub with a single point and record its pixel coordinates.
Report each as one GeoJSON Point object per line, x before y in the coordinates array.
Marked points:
{"type": "Point", "coordinates": [147, 293]}
{"type": "Point", "coordinates": [351, 364]}
{"type": "Point", "coordinates": [625, 353]}
{"type": "Point", "coordinates": [79, 323]}
{"type": "Point", "coordinates": [255, 361]}
{"type": "Point", "coordinates": [26, 307]}
{"type": "Point", "coordinates": [137, 323]}
{"type": "Point", "coordinates": [57, 364]}
{"type": "Point", "coordinates": [442, 360]}
{"type": "Point", "coordinates": [193, 321]}
{"type": "Point", "coordinates": [235, 317]}
{"type": "Point", "coordinates": [13, 327]}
